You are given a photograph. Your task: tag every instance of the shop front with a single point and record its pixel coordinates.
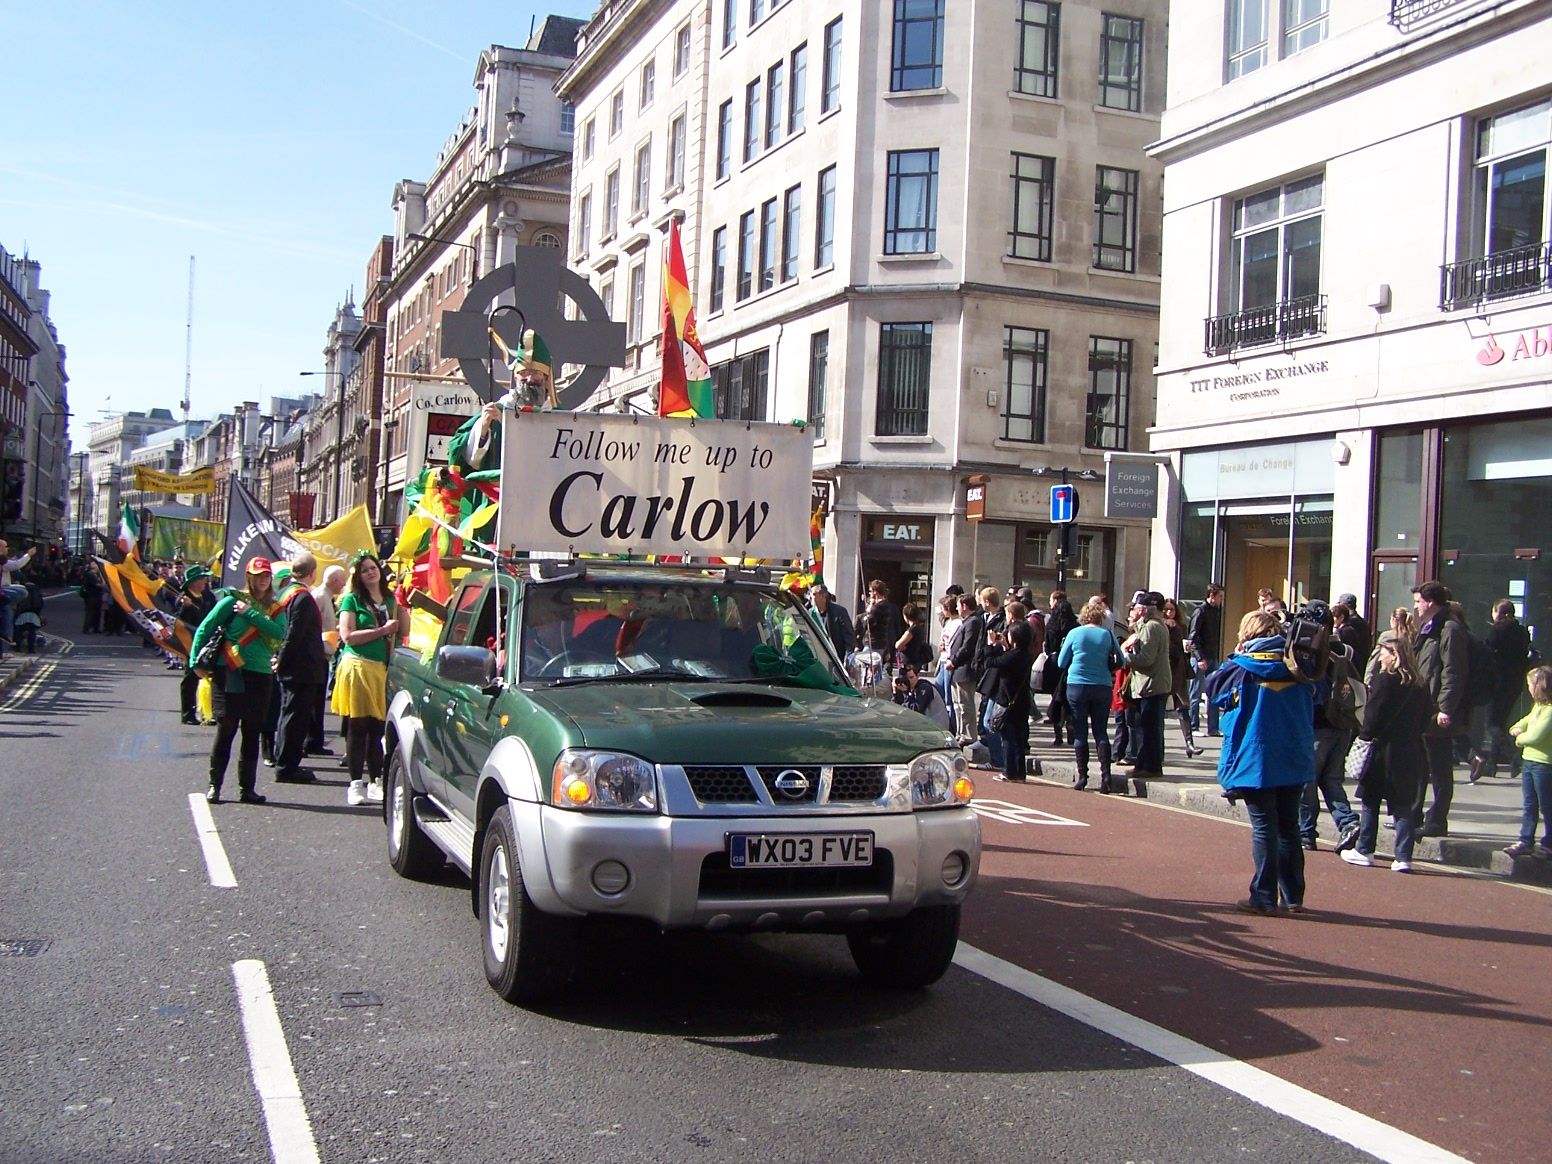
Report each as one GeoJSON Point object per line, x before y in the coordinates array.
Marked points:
{"type": "Point", "coordinates": [897, 549]}
{"type": "Point", "coordinates": [1258, 516]}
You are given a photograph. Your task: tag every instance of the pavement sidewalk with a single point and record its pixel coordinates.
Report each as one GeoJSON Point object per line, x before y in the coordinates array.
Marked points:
{"type": "Point", "coordinates": [1484, 817]}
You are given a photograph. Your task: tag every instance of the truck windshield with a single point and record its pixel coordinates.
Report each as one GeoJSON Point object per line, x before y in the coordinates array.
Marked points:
{"type": "Point", "coordinates": [598, 628]}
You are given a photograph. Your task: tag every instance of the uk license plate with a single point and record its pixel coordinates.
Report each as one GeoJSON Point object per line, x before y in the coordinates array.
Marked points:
{"type": "Point", "coordinates": [800, 850]}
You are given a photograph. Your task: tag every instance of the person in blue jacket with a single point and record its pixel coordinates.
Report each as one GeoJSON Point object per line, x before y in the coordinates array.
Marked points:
{"type": "Point", "coordinates": [1268, 755]}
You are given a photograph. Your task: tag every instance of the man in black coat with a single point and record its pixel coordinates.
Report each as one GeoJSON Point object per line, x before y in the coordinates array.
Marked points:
{"type": "Point", "coordinates": [882, 623]}
{"type": "Point", "coordinates": [194, 602]}
{"type": "Point", "coordinates": [835, 619]}
{"type": "Point", "coordinates": [302, 668]}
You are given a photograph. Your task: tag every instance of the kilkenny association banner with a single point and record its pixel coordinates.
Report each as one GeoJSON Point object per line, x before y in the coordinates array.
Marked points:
{"type": "Point", "coordinates": [152, 481]}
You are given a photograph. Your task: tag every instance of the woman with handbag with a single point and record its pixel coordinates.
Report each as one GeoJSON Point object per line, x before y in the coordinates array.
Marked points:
{"type": "Point", "coordinates": [235, 645]}
{"type": "Point", "coordinates": [369, 620]}
{"type": "Point", "coordinates": [1008, 659]}
{"type": "Point", "coordinates": [1088, 659]}
{"type": "Point", "coordinates": [1388, 759]}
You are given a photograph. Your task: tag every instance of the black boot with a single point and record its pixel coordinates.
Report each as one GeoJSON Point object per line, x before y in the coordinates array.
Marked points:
{"type": "Point", "coordinates": [1104, 768]}
{"type": "Point", "coordinates": [267, 749]}
{"type": "Point", "coordinates": [1186, 734]}
{"type": "Point", "coordinates": [1081, 754]}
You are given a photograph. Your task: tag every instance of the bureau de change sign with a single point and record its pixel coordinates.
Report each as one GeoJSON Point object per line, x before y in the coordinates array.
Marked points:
{"type": "Point", "coordinates": [638, 485]}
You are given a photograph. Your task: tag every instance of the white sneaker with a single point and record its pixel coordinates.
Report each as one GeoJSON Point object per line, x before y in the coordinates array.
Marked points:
{"type": "Point", "coordinates": [374, 792]}
{"type": "Point", "coordinates": [1354, 857]}
{"type": "Point", "coordinates": [356, 793]}
{"type": "Point", "coordinates": [1401, 866]}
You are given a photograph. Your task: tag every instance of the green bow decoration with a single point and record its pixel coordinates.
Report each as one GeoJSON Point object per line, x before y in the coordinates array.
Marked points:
{"type": "Point", "coordinates": [798, 666]}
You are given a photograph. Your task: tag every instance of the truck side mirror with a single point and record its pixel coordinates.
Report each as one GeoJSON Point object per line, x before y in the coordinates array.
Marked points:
{"type": "Point", "coordinates": [472, 666]}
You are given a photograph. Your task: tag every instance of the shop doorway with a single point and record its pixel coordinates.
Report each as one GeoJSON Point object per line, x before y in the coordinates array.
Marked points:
{"type": "Point", "coordinates": [1391, 584]}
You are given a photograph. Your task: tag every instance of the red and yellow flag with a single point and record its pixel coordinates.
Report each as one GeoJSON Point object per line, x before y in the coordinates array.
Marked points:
{"type": "Point", "coordinates": [686, 384]}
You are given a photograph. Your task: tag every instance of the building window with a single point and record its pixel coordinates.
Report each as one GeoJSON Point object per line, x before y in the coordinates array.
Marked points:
{"type": "Point", "coordinates": [791, 229]}
{"type": "Point", "coordinates": [616, 114]}
{"type": "Point", "coordinates": [1274, 268]}
{"type": "Point", "coordinates": [643, 184]}
{"type": "Point", "coordinates": [1115, 219]}
{"type": "Point", "coordinates": [775, 103]}
{"type": "Point", "coordinates": [824, 224]}
{"type": "Point", "coordinates": [568, 117]}
{"type": "Point", "coordinates": [768, 244]}
{"type": "Point", "coordinates": [1039, 47]}
{"type": "Point", "coordinates": [729, 23]}
{"type": "Point", "coordinates": [587, 140]}
{"type": "Point", "coordinates": [904, 375]}
{"type": "Point", "coordinates": [676, 138]}
{"type": "Point", "coordinates": [917, 59]}
{"type": "Point", "coordinates": [1120, 63]}
{"type": "Point", "coordinates": [1034, 200]}
{"type": "Point", "coordinates": [718, 267]}
{"type": "Point", "coordinates": [648, 84]}
{"type": "Point", "coordinates": [738, 386]}
{"type": "Point", "coordinates": [797, 75]}
{"type": "Point", "coordinates": [1299, 24]}
{"type": "Point", "coordinates": [1024, 363]}
{"type": "Point", "coordinates": [681, 51]}
{"type": "Point", "coordinates": [745, 255]}
{"type": "Point", "coordinates": [756, 12]}
{"type": "Point", "coordinates": [724, 139]}
{"type": "Point", "coordinates": [818, 378]}
{"type": "Point", "coordinates": [606, 293]}
{"type": "Point", "coordinates": [547, 239]}
{"type": "Point", "coordinates": [1510, 234]}
{"type": "Point", "coordinates": [584, 221]}
{"type": "Point", "coordinates": [830, 96]}
{"type": "Point", "coordinates": [1304, 24]}
{"type": "Point", "coordinates": [911, 203]}
{"type": "Point", "coordinates": [751, 119]}
{"type": "Point", "coordinates": [1247, 36]}
{"type": "Point", "coordinates": [611, 223]}
{"type": "Point", "coordinates": [1110, 392]}
{"type": "Point", "coordinates": [638, 304]}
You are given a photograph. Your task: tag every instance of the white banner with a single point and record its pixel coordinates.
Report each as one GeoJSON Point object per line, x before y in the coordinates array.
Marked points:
{"type": "Point", "coordinates": [595, 484]}
{"type": "Point", "coordinates": [436, 411]}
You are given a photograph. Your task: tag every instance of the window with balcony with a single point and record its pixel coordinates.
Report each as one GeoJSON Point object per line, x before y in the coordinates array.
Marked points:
{"type": "Point", "coordinates": [745, 255]}
{"type": "Point", "coordinates": [1110, 392]}
{"type": "Point", "coordinates": [797, 96]}
{"type": "Point", "coordinates": [724, 139]}
{"type": "Point", "coordinates": [830, 96]}
{"type": "Point", "coordinates": [739, 386]}
{"type": "Point", "coordinates": [824, 223]}
{"type": "Point", "coordinates": [911, 203]}
{"type": "Point", "coordinates": [1034, 203]}
{"type": "Point", "coordinates": [1039, 47]}
{"type": "Point", "coordinates": [791, 229]}
{"type": "Point", "coordinates": [904, 376]}
{"type": "Point", "coordinates": [1024, 352]}
{"type": "Point", "coordinates": [1120, 63]}
{"type": "Point", "coordinates": [1274, 268]}
{"type": "Point", "coordinates": [917, 55]}
{"type": "Point", "coordinates": [718, 267]}
{"type": "Point", "coordinates": [818, 382]}
{"type": "Point", "coordinates": [1510, 233]}
{"type": "Point", "coordinates": [1115, 219]}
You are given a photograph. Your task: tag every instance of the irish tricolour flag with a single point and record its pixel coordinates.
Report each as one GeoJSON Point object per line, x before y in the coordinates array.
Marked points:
{"type": "Point", "coordinates": [129, 533]}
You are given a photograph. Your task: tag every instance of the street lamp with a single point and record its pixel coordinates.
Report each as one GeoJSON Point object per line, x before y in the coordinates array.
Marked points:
{"type": "Point", "coordinates": [339, 435]}
{"type": "Point", "coordinates": [449, 242]}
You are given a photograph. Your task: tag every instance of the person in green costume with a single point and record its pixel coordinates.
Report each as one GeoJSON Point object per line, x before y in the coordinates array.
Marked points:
{"type": "Point", "coordinates": [476, 446]}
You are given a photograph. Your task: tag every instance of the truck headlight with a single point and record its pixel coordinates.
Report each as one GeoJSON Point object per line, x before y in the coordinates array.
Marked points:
{"type": "Point", "coordinates": [939, 779]}
{"type": "Point", "coordinates": [603, 780]}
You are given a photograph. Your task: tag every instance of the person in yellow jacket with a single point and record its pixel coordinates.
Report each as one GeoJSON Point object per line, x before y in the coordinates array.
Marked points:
{"type": "Point", "coordinates": [1533, 736]}
{"type": "Point", "coordinates": [243, 679]}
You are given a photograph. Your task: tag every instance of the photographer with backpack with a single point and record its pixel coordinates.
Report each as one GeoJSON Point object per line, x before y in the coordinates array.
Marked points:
{"type": "Point", "coordinates": [1336, 722]}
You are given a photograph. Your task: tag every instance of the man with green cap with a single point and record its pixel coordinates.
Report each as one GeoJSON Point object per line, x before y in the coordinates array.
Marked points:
{"type": "Point", "coordinates": [476, 446]}
{"type": "Point", "coordinates": [194, 602]}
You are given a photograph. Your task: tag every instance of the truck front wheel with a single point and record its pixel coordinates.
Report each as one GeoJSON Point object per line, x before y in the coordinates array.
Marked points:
{"type": "Point", "coordinates": [527, 953]}
{"type": "Point", "coordinates": [411, 853]}
{"type": "Point", "coordinates": [904, 953]}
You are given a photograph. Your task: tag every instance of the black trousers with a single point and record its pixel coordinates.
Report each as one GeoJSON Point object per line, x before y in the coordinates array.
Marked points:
{"type": "Point", "coordinates": [243, 711]}
{"type": "Point", "coordinates": [1441, 777]}
{"type": "Point", "coordinates": [188, 691]}
{"type": "Point", "coordinates": [300, 718]}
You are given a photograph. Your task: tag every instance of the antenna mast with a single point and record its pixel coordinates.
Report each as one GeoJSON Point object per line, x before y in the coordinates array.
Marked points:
{"type": "Point", "coordinates": [188, 345]}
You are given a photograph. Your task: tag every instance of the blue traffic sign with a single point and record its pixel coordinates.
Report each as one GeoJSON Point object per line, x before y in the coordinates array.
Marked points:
{"type": "Point", "coordinates": [1064, 504]}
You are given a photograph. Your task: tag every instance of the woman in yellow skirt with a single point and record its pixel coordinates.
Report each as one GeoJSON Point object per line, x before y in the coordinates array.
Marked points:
{"type": "Point", "coordinates": [369, 621]}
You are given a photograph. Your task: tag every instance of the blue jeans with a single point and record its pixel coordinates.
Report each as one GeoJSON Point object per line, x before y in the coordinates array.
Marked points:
{"type": "Point", "coordinates": [1331, 746]}
{"type": "Point", "coordinates": [991, 739]}
{"type": "Point", "coordinates": [1536, 786]}
{"type": "Point", "coordinates": [9, 597]}
{"type": "Point", "coordinates": [1197, 692]}
{"type": "Point", "coordinates": [1274, 845]}
{"type": "Point", "coordinates": [941, 682]}
{"type": "Point", "coordinates": [1090, 704]}
{"type": "Point", "coordinates": [1369, 828]}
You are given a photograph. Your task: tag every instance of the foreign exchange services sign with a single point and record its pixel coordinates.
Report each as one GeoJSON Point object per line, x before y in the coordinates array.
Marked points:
{"type": "Point", "coordinates": [1131, 490]}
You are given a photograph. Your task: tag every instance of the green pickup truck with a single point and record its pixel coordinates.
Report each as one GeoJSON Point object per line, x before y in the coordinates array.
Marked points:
{"type": "Point", "coordinates": [599, 739]}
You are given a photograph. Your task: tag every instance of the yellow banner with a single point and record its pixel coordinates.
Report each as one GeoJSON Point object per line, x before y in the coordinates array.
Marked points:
{"type": "Point", "coordinates": [151, 481]}
{"type": "Point", "coordinates": [339, 541]}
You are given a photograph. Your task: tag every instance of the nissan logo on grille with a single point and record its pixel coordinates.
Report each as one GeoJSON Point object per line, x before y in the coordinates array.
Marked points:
{"type": "Point", "coordinates": [792, 784]}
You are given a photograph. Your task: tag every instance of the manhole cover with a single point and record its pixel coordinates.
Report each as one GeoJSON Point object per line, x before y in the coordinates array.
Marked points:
{"type": "Point", "coordinates": [23, 947]}
{"type": "Point", "coordinates": [357, 998]}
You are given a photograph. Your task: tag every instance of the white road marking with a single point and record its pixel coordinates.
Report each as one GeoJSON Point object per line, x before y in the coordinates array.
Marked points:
{"type": "Point", "coordinates": [1262, 1087]}
{"type": "Point", "coordinates": [221, 875]}
{"type": "Point", "coordinates": [285, 1114]}
{"type": "Point", "coordinates": [1020, 814]}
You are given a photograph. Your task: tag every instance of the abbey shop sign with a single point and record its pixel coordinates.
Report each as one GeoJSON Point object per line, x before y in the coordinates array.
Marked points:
{"type": "Point", "coordinates": [639, 485]}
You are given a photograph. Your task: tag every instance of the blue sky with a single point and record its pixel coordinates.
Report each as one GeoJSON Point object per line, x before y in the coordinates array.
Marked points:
{"type": "Point", "coordinates": [264, 139]}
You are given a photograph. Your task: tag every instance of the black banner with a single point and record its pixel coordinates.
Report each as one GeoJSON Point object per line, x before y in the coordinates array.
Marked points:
{"type": "Point", "coordinates": [251, 532]}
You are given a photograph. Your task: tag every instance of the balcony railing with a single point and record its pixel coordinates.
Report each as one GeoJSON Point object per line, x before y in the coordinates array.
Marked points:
{"type": "Point", "coordinates": [1505, 275]}
{"type": "Point", "coordinates": [1272, 324]}
{"type": "Point", "coordinates": [1407, 14]}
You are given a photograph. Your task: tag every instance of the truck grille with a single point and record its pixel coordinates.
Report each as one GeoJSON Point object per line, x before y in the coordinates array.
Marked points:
{"type": "Point", "coordinates": [770, 772]}
{"type": "Point", "coordinates": [733, 783]}
{"type": "Point", "coordinates": [720, 880]}
{"type": "Point", "coordinates": [721, 785]}
{"type": "Point", "coordinates": [864, 784]}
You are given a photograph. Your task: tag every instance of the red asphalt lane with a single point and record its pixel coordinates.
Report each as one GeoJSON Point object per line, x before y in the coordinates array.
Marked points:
{"type": "Point", "coordinates": [1423, 1000]}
